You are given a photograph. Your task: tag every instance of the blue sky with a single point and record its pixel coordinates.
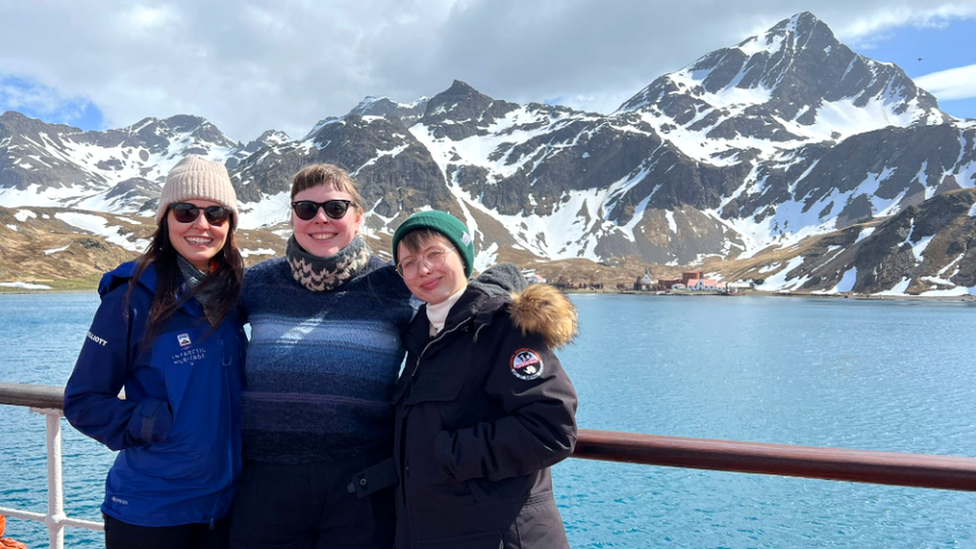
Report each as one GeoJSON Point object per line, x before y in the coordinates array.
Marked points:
{"type": "Point", "coordinates": [254, 65]}
{"type": "Point", "coordinates": [941, 48]}
{"type": "Point", "coordinates": [39, 101]}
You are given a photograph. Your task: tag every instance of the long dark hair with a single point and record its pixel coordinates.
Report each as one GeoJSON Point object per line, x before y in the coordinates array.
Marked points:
{"type": "Point", "coordinates": [224, 280]}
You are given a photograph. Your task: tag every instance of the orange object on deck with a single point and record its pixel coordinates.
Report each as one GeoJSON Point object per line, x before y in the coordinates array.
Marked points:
{"type": "Point", "coordinates": [7, 543]}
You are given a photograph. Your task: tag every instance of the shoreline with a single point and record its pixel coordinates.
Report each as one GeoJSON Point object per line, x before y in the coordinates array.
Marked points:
{"type": "Point", "coordinates": [4, 290]}
{"type": "Point", "coordinates": [758, 293]}
{"type": "Point", "coordinates": [21, 291]}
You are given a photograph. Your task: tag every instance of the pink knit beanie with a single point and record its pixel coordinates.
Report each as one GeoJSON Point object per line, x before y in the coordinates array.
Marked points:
{"type": "Point", "coordinates": [197, 179]}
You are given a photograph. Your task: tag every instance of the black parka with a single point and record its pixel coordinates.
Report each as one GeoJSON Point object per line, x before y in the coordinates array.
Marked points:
{"type": "Point", "coordinates": [482, 411]}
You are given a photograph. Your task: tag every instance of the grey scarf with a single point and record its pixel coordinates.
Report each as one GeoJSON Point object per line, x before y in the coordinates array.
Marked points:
{"type": "Point", "coordinates": [193, 277]}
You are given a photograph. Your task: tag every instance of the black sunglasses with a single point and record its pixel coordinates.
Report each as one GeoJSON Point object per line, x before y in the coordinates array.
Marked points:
{"type": "Point", "coordinates": [307, 209]}
{"type": "Point", "coordinates": [184, 212]}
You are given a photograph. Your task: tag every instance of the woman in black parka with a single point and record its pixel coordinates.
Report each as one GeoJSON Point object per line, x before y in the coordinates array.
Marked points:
{"type": "Point", "coordinates": [483, 406]}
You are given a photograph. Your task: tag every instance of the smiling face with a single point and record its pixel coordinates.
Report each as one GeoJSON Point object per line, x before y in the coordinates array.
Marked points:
{"type": "Point", "coordinates": [432, 284]}
{"type": "Point", "coordinates": [323, 236]}
{"type": "Point", "coordinates": [198, 241]}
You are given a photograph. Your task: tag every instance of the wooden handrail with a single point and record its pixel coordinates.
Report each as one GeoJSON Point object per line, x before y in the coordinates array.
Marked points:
{"type": "Point", "coordinates": [917, 470]}
{"type": "Point", "coordinates": [33, 396]}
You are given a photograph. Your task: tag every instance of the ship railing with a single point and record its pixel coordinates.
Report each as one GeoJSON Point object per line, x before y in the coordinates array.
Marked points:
{"type": "Point", "coordinates": [46, 400]}
{"type": "Point", "coordinates": [893, 468]}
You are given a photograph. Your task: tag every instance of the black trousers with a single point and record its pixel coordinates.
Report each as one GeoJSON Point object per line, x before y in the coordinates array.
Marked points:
{"type": "Point", "coordinates": [121, 535]}
{"type": "Point", "coordinates": [308, 506]}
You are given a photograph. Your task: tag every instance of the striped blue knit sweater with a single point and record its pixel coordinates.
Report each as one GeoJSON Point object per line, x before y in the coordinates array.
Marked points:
{"type": "Point", "coordinates": [321, 366]}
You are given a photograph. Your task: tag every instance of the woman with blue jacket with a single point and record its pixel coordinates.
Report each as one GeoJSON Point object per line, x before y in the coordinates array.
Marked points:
{"type": "Point", "coordinates": [168, 332]}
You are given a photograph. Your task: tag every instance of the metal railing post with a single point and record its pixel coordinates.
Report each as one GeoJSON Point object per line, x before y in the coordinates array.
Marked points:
{"type": "Point", "coordinates": [55, 519]}
{"type": "Point", "coordinates": [46, 401]}
{"type": "Point", "coordinates": [55, 490]}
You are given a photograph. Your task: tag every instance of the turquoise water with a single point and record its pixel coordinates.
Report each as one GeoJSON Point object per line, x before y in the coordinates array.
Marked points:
{"type": "Point", "coordinates": [874, 375]}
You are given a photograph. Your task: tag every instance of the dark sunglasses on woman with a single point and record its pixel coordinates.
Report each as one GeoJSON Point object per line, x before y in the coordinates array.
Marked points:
{"type": "Point", "coordinates": [308, 209]}
{"type": "Point", "coordinates": [184, 212]}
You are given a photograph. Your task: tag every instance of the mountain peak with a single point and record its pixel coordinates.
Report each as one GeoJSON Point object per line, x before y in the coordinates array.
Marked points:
{"type": "Point", "coordinates": [790, 36]}
{"type": "Point", "coordinates": [8, 116]}
{"type": "Point", "coordinates": [384, 106]}
{"type": "Point", "coordinates": [369, 101]}
{"type": "Point", "coordinates": [22, 120]}
{"type": "Point", "coordinates": [462, 111]}
{"type": "Point", "coordinates": [186, 122]}
{"type": "Point", "coordinates": [793, 72]}
{"type": "Point", "coordinates": [273, 135]}
{"type": "Point", "coordinates": [800, 22]}
{"type": "Point", "coordinates": [269, 138]}
{"type": "Point", "coordinates": [459, 94]}
{"type": "Point", "coordinates": [459, 87]}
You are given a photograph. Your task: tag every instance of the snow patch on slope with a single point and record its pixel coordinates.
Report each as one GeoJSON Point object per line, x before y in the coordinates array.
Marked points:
{"type": "Point", "coordinates": [98, 225]}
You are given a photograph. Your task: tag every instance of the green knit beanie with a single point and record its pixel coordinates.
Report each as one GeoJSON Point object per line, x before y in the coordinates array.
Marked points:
{"type": "Point", "coordinates": [445, 224]}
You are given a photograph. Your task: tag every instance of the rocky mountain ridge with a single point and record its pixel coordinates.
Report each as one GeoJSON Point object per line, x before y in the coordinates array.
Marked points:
{"type": "Point", "coordinates": [757, 161]}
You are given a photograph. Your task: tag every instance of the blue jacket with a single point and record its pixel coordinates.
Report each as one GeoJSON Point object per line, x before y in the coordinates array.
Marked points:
{"type": "Point", "coordinates": [179, 426]}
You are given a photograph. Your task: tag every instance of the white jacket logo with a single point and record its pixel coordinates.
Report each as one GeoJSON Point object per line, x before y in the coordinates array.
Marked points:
{"type": "Point", "coordinates": [184, 340]}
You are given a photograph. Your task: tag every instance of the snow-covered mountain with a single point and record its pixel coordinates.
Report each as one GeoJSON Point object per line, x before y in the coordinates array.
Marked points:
{"type": "Point", "coordinates": [767, 160]}
{"type": "Point", "coordinates": [114, 171]}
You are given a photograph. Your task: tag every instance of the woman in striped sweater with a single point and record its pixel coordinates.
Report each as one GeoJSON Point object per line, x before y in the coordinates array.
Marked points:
{"type": "Point", "coordinates": [321, 367]}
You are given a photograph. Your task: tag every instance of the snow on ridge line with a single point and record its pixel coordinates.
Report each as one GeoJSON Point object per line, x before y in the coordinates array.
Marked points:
{"type": "Point", "coordinates": [56, 250]}
{"type": "Point", "coordinates": [779, 283]}
{"type": "Point", "coordinates": [847, 281]}
{"type": "Point", "coordinates": [919, 248]}
{"type": "Point", "coordinates": [34, 197]}
{"type": "Point", "coordinates": [476, 150]}
{"type": "Point", "coordinates": [671, 223]}
{"type": "Point", "coordinates": [758, 44]}
{"type": "Point", "coordinates": [486, 258]}
{"type": "Point", "coordinates": [24, 215]}
{"type": "Point", "coordinates": [98, 225]}
{"type": "Point", "coordinates": [952, 264]}
{"type": "Point", "coordinates": [380, 154]}
{"type": "Point", "coordinates": [25, 285]}
{"type": "Point", "coordinates": [958, 291]}
{"type": "Point", "coordinates": [865, 232]}
{"type": "Point", "coordinates": [898, 289]}
{"type": "Point", "coordinates": [260, 251]}
{"type": "Point", "coordinates": [728, 96]}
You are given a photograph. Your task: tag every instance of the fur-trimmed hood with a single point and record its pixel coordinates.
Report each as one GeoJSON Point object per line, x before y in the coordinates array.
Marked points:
{"type": "Point", "coordinates": [544, 310]}
{"type": "Point", "coordinates": [537, 308]}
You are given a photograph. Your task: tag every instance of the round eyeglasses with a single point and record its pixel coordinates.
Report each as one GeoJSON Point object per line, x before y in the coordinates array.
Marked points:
{"type": "Point", "coordinates": [433, 258]}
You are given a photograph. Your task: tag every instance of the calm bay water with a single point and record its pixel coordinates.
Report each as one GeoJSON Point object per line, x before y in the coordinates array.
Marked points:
{"type": "Point", "coordinates": [875, 375]}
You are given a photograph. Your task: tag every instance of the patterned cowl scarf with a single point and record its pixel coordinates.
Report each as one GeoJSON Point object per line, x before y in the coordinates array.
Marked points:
{"type": "Point", "coordinates": [320, 274]}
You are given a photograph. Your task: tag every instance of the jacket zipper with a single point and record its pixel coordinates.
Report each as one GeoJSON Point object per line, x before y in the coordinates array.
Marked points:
{"type": "Point", "coordinates": [403, 429]}
{"type": "Point", "coordinates": [225, 395]}
{"type": "Point", "coordinates": [439, 337]}
{"type": "Point", "coordinates": [224, 359]}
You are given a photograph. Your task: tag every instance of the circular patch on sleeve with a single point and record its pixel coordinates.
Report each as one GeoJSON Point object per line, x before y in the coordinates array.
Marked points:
{"type": "Point", "coordinates": [526, 364]}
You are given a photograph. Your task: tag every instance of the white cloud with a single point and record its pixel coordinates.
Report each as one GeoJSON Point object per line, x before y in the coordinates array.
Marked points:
{"type": "Point", "coordinates": [936, 15]}
{"type": "Point", "coordinates": [957, 83]}
{"type": "Point", "coordinates": [144, 18]}
{"type": "Point", "coordinates": [262, 64]}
